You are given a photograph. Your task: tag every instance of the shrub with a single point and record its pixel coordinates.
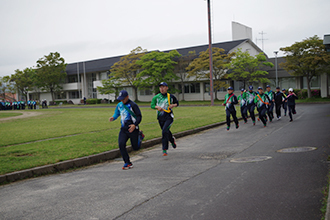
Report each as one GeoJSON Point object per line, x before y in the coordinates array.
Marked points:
{"type": "Point", "coordinates": [93, 101]}
{"type": "Point", "coordinates": [303, 94]}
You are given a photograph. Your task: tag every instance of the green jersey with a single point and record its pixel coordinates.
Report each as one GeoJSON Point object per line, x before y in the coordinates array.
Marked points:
{"type": "Point", "coordinates": [161, 100]}
{"type": "Point", "coordinates": [249, 97]}
{"type": "Point", "coordinates": [263, 101]}
{"type": "Point", "coordinates": [242, 100]}
{"type": "Point", "coordinates": [270, 94]}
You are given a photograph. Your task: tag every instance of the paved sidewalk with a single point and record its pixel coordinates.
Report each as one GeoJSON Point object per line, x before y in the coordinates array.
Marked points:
{"type": "Point", "coordinates": [196, 180]}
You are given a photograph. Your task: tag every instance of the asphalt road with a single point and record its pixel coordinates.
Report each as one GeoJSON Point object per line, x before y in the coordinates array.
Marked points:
{"type": "Point", "coordinates": [196, 180]}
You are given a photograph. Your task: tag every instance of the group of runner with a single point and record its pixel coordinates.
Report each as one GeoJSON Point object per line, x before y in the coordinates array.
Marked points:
{"type": "Point", "coordinates": [15, 105]}
{"type": "Point", "coordinates": [21, 105]}
{"type": "Point", "coordinates": [263, 101]}
{"type": "Point", "coordinates": [164, 102]}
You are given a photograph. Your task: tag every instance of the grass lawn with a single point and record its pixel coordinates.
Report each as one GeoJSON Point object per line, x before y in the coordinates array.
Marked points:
{"type": "Point", "coordinates": [309, 100]}
{"type": "Point", "coordinates": [80, 132]}
{"type": "Point", "coordinates": [9, 114]}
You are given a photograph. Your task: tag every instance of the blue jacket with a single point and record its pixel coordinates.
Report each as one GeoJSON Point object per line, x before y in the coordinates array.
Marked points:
{"type": "Point", "coordinates": [126, 117]}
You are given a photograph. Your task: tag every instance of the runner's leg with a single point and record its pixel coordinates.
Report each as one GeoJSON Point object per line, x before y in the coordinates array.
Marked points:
{"type": "Point", "coordinates": [122, 139]}
{"type": "Point", "coordinates": [134, 136]}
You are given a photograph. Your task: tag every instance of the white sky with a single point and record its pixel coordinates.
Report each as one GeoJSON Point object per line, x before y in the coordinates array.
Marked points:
{"type": "Point", "coordinates": [83, 30]}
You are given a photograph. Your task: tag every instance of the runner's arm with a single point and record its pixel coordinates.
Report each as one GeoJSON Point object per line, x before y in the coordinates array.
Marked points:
{"type": "Point", "coordinates": [234, 100]}
{"type": "Point", "coordinates": [116, 114]}
{"type": "Point", "coordinates": [138, 114]}
{"type": "Point", "coordinates": [153, 102]}
{"type": "Point", "coordinates": [175, 100]}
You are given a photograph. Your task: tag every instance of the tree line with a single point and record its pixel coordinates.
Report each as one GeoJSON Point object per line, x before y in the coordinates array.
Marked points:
{"type": "Point", "coordinates": [141, 69]}
{"type": "Point", "coordinates": [48, 76]}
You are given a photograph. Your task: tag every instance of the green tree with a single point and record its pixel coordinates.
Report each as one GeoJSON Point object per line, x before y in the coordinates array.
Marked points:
{"type": "Point", "coordinates": [110, 86]}
{"type": "Point", "coordinates": [23, 80]}
{"type": "Point", "coordinates": [125, 71]}
{"type": "Point", "coordinates": [199, 68]}
{"type": "Point", "coordinates": [51, 73]}
{"type": "Point", "coordinates": [180, 68]}
{"type": "Point", "coordinates": [247, 68]}
{"type": "Point", "coordinates": [157, 67]}
{"type": "Point", "coordinates": [307, 58]}
{"type": "Point", "coordinates": [6, 86]}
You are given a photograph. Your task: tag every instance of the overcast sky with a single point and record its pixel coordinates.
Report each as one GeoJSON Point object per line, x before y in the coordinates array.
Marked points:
{"type": "Point", "coordinates": [83, 30]}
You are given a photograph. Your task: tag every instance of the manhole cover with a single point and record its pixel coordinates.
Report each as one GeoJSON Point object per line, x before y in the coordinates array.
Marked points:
{"type": "Point", "coordinates": [250, 159]}
{"type": "Point", "coordinates": [296, 149]}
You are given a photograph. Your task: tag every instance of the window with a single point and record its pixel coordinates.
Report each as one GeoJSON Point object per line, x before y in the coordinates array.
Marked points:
{"type": "Point", "coordinates": [207, 88]}
{"type": "Point", "coordinates": [286, 83]}
{"type": "Point", "coordinates": [72, 79]}
{"type": "Point", "coordinates": [191, 88]}
{"type": "Point", "coordinates": [147, 91]}
{"type": "Point", "coordinates": [61, 95]}
{"type": "Point", "coordinates": [315, 82]}
{"type": "Point", "coordinates": [103, 75]}
{"type": "Point", "coordinates": [74, 95]}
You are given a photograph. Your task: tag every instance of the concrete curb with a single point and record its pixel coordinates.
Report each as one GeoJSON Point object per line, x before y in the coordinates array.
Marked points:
{"type": "Point", "coordinates": [327, 213]}
{"type": "Point", "coordinates": [92, 159]}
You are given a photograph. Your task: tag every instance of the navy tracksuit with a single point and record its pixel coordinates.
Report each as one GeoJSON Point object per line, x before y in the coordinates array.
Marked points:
{"type": "Point", "coordinates": [291, 104]}
{"type": "Point", "coordinates": [278, 103]}
{"type": "Point", "coordinates": [126, 120]}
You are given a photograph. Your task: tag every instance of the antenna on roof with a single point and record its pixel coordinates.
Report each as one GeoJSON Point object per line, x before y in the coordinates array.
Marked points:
{"type": "Point", "coordinates": [262, 39]}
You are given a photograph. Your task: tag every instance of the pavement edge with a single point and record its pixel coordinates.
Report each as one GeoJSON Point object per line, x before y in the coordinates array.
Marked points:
{"type": "Point", "coordinates": [92, 159]}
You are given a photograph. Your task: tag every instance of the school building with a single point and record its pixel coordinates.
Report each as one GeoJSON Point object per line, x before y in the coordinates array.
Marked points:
{"type": "Point", "coordinates": [84, 77]}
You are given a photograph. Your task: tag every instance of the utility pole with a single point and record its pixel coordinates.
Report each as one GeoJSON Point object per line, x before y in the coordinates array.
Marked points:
{"type": "Point", "coordinates": [276, 67]}
{"type": "Point", "coordinates": [210, 51]}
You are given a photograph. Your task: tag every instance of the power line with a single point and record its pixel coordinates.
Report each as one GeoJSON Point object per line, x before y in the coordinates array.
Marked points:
{"type": "Point", "coordinates": [262, 39]}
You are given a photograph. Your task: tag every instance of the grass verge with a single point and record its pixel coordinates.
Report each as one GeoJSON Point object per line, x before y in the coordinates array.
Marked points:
{"type": "Point", "coordinates": [9, 114]}
{"type": "Point", "coordinates": [82, 132]}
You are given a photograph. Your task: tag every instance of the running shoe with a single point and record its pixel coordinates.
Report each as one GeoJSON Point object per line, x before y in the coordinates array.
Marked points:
{"type": "Point", "coordinates": [291, 120]}
{"type": "Point", "coordinates": [127, 166]}
{"type": "Point", "coordinates": [174, 143]}
{"type": "Point", "coordinates": [228, 128]}
{"type": "Point", "coordinates": [237, 126]}
{"type": "Point", "coordinates": [164, 153]}
{"type": "Point", "coordinates": [258, 119]}
{"type": "Point", "coordinates": [254, 123]}
{"type": "Point", "coordinates": [265, 125]}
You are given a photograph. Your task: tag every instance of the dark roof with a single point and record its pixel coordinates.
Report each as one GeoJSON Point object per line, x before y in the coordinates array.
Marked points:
{"type": "Point", "coordinates": [104, 64]}
{"type": "Point", "coordinates": [280, 71]}
{"type": "Point", "coordinates": [227, 46]}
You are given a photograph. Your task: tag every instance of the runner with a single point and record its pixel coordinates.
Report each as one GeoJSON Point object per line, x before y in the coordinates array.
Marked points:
{"type": "Point", "coordinates": [131, 117]}
{"type": "Point", "coordinates": [242, 103]}
{"type": "Point", "coordinates": [279, 96]}
{"type": "Point", "coordinates": [285, 102]}
{"type": "Point", "coordinates": [163, 102]}
{"type": "Point", "coordinates": [250, 105]}
{"type": "Point", "coordinates": [262, 100]}
{"type": "Point", "coordinates": [230, 101]}
{"type": "Point", "coordinates": [270, 109]}
{"type": "Point", "coordinates": [291, 103]}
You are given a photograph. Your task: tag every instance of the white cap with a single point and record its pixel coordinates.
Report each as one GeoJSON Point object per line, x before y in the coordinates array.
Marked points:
{"type": "Point", "coordinates": [291, 90]}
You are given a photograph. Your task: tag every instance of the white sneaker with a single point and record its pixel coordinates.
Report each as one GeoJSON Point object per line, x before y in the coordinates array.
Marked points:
{"type": "Point", "coordinates": [279, 118]}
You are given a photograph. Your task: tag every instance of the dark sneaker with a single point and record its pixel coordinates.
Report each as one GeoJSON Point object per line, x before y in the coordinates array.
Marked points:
{"type": "Point", "coordinates": [254, 123]}
{"type": "Point", "coordinates": [291, 120]}
{"type": "Point", "coordinates": [127, 166]}
{"type": "Point", "coordinates": [265, 125]}
{"type": "Point", "coordinates": [237, 126]}
{"type": "Point", "coordinates": [164, 153]}
{"type": "Point", "coordinates": [173, 144]}
{"type": "Point", "coordinates": [228, 128]}
{"type": "Point", "coordinates": [140, 138]}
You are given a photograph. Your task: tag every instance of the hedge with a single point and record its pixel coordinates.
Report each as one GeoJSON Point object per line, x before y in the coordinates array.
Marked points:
{"type": "Point", "coordinates": [302, 93]}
